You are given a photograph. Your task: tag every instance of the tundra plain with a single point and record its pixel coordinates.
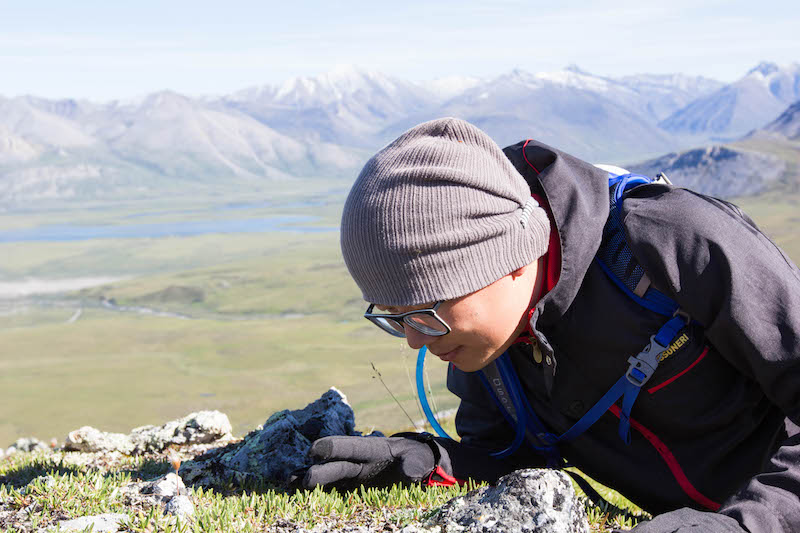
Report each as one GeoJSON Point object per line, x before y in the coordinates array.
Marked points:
{"type": "Point", "coordinates": [246, 323]}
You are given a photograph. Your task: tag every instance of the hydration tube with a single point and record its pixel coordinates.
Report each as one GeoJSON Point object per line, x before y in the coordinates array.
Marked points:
{"type": "Point", "coordinates": [520, 426]}
{"type": "Point", "coordinates": [423, 399]}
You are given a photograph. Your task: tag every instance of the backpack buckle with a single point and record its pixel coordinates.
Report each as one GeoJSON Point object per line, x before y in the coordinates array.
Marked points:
{"type": "Point", "coordinates": [644, 365]}
{"type": "Point", "coordinates": [662, 178]}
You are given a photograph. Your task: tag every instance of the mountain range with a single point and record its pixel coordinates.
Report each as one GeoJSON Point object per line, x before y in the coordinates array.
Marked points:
{"type": "Point", "coordinates": [735, 109]}
{"type": "Point", "coordinates": [763, 158]}
{"type": "Point", "coordinates": [327, 126]}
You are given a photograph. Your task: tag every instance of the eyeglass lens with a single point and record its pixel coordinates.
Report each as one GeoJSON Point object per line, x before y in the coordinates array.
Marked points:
{"type": "Point", "coordinates": [426, 324]}
{"type": "Point", "coordinates": [390, 325]}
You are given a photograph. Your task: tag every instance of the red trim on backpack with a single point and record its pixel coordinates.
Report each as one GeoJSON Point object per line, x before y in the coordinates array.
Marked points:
{"type": "Point", "coordinates": [651, 390]}
{"type": "Point", "coordinates": [672, 463]}
{"type": "Point", "coordinates": [445, 479]}
{"type": "Point", "coordinates": [526, 157]}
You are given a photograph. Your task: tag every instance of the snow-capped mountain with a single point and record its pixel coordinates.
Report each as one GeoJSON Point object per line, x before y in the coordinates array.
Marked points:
{"type": "Point", "coordinates": [450, 86]}
{"type": "Point", "coordinates": [593, 117]}
{"type": "Point", "coordinates": [346, 106]}
{"type": "Point", "coordinates": [666, 93]}
{"type": "Point", "coordinates": [328, 125]}
{"type": "Point", "coordinates": [39, 129]}
{"type": "Point", "coordinates": [184, 137]}
{"type": "Point", "coordinates": [166, 140]}
{"type": "Point", "coordinates": [735, 109]}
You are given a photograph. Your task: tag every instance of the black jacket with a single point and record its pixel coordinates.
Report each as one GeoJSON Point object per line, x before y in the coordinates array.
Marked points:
{"type": "Point", "coordinates": [722, 404]}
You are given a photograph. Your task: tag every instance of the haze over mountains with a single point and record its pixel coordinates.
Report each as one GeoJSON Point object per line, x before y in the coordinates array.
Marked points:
{"type": "Point", "coordinates": [328, 125]}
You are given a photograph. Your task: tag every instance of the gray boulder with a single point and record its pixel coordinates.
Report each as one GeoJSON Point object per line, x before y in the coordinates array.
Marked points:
{"type": "Point", "coordinates": [89, 439]}
{"type": "Point", "coordinates": [196, 428]}
{"type": "Point", "coordinates": [104, 523]}
{"type": "Point", "coordinates": [272, 452]}
{"type": "Point", "coordinates": [167, 492]}
{"type": "Point", "coordinates": [165, 487]}
{"type": "Point", "coordinates": [180, 506]}
{"type": "Point", "coordinates": [535, 500]}
{"type": "Point", "coordinates": [26, 445]}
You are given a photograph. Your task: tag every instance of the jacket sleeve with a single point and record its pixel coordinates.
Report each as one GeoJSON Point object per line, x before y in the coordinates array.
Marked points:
{"type": "Point", "coordinates": [746, 292]}
{"type": "Point", "coordinates": [483, 429]}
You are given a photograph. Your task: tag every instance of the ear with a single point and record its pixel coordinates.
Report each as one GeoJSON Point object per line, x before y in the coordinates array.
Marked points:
{"type": "Point", "coordinates": [519, 272]}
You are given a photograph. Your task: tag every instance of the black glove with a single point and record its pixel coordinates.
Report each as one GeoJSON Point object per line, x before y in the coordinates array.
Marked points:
{"type": "Point", "coordinates": [346, 462]}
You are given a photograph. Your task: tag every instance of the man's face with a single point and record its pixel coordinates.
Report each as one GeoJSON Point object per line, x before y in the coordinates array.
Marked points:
{"type": "Point", "coordinates": [484, 323]}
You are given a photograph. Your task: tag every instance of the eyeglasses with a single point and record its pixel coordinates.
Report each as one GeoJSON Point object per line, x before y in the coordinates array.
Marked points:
{"type": "Point", "coordinates": [426, 321]}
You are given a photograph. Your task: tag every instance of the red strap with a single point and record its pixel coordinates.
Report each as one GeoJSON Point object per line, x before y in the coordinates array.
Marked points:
{"type": "Point", "coordinates": [672, 463]}
{"type": "Point", "coordinates": [651, 390]}
{"type": "Point", "coordinates": [445, 479]}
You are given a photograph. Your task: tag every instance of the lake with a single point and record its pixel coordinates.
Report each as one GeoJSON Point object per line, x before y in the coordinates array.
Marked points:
{"type": "Point", "coordinates": [76, 232]}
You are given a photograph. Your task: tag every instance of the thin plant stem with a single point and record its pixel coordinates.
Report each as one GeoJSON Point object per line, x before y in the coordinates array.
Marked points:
{"type": "Point", "coordinates": [413, 387]}
{"type": "Point", "coordinates": [380, 377]}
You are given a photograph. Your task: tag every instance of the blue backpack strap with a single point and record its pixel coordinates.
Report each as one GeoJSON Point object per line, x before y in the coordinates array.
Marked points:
{"type": "Point", "coordinates": [641, 369]}
{"type": "Point", "coordinates": [614, 253]}
{"type": "Point", "coordinates": [502, 382]}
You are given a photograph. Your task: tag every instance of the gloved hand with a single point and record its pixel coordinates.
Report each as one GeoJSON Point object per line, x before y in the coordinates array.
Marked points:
{"type": "Point", "coordinates": [346, 462]}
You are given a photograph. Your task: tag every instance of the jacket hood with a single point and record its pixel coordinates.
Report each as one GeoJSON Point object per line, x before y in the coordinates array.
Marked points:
{"type": "Point", "coordinates": [577, 192]}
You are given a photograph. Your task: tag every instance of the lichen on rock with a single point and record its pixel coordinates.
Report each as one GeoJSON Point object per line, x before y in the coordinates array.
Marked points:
{"type": "Point", "coordinates": [275, 450]}
{"type": "Point", "coordinates": [196, 428]}
{"type": "Point", "coordinates": [533, 500]}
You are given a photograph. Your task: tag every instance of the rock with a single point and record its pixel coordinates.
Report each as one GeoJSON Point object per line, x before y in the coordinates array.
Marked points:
{"type": "Point", "coordinates": [196, 428]}
{"type": "Point", "coordinates": [28, 444]}
{"type": "Point", "coordinates": [417, 528]}
{"type": "Point", "coordinates": [104, 523]}
{"type": "Point", "coordinates": [180, 506]}
{"type": "Point", "coordinates": [535, 500]}
{"type": "Point", "coordinates": [167, 492]}
{"type": "Point", "coordinates": [167, 486]}
{"type": "Point", "coordinates": [272, 452]}
{"type": "Point", "coordinates": [89, 439]}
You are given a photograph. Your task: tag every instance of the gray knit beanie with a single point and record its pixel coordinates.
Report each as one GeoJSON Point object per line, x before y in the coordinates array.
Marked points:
{"type": "Point", "coordinates": [437, 214]}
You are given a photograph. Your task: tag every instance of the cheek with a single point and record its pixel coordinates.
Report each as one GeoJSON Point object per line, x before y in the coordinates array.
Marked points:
{"type": "Point", "coordinates": [485, 328]}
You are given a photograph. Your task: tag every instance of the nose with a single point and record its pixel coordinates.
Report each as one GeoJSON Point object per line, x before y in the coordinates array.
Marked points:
{"type": "Point", "coordinates": [416, 339]}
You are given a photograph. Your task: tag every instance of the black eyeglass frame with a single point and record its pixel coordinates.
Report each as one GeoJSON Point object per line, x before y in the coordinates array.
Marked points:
{"type": "Point", "coordinates": [400, 320]}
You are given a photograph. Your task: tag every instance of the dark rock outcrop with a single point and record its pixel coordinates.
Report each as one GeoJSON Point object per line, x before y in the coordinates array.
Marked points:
{"type": "Point", "coordinates": [272, 452]}
{"type": "Point", "coordinates": [716, 170]}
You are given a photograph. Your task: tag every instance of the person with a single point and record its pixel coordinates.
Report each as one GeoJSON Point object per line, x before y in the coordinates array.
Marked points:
{"type": "Point", "coordinates": [482, 255]}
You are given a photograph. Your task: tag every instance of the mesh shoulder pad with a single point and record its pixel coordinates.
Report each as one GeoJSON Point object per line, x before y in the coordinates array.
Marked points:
{"type": "Point", "coordinates": [615, 253]}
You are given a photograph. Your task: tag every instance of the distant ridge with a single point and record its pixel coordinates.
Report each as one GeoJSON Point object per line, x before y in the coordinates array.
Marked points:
{"type": "Point", "coordinates": [736, 109]}
{"type": "Point", "coordinates": [716, 170]}
{"type": "Point", "coordinates": [327, 126]}
{"type": "Point", "coordinates": [787, 124]}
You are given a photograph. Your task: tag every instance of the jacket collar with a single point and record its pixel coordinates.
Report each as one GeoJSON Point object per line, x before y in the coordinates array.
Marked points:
{"type": "Point", "coordinates": [577, 193]}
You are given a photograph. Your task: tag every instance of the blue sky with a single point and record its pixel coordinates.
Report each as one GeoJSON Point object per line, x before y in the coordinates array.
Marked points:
{"type": "Point", "coordinates": [104, 49]}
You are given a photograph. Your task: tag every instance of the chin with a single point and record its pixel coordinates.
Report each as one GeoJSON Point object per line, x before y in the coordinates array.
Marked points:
{"type": "Point", "coordinates": [471, 366]}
